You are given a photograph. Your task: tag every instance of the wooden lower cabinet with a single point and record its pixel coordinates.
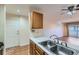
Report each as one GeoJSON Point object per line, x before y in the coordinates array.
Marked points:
{"type": "Point", "coordinates": [35, 50]}
{"type": "Point", "coordinates": [32, 48]}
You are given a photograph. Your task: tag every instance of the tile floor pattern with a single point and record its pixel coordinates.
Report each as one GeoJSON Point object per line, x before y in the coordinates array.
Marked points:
{"type": "Point", "coordinates": [19, 50]}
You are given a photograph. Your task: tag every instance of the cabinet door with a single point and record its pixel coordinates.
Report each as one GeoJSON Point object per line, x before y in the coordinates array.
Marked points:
{"type": "Point", "coordinates": [40, 51]}
{"type": "Point", "coordinates": [32, 47]}
{"type": "Point", "coordinates": [37, 20]}
{"type": "Point", "coordinates": [36, 52]}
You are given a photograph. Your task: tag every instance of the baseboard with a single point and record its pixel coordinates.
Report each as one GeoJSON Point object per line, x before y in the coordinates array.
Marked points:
{"type": "Point", "coordinates": [24, 44]}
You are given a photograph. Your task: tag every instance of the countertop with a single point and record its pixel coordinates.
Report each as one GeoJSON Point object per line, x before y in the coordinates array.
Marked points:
{"type": "Point", "coordinates": [36, 40]}
{"type": "Point", "coordinates": [72, 42]}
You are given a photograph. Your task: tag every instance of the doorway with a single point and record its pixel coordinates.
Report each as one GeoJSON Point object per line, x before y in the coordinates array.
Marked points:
{"type": "Point", "coordinates": [12, 30]}
{"type": "Point", "coordinates": [17, 35]}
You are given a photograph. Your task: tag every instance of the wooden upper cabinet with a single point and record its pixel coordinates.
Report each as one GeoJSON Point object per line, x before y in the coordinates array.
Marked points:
{"type": "Point", "coordinates": [37, 20]}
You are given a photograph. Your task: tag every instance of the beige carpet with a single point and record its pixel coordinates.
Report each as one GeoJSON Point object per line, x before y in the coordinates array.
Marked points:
{"type": "Point", "coordinates": [19, 50]}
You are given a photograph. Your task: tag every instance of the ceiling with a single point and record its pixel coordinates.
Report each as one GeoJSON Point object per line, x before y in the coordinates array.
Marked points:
{"type": "Point", "coordinates": [54, 9]}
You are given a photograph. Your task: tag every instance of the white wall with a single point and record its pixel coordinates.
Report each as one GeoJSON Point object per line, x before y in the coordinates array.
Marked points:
{"type": "Point", "coordinates": [53, 23]}
{"type": "Point", "coordinates": [2, 19]}
{"type": "Point", "coordinates": [24, 31]}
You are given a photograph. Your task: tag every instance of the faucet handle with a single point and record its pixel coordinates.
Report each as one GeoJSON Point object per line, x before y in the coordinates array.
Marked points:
{"type": "Point", "coordinates": [64, 44]}
{"type": "Point", "coordinates": [56, 41]}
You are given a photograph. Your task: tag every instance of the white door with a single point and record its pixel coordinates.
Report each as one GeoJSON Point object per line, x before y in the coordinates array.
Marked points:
{"type": "Point", "coordinates": [12, 32]}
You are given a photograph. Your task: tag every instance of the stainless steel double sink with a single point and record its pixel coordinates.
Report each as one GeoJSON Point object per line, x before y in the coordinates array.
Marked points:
{"type": "Point", "coordinates": [58, 49]}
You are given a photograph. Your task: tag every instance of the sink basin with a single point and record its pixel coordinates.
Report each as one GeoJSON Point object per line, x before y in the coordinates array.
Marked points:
{"type": "Point", "coordinates": [47, 44]}
{"type": "Point", "coordinates": [58, 49]}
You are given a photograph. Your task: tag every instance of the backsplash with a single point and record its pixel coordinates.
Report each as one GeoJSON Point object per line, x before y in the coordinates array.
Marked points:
{"type": "Point", "coordinates": [56, 30]}
{"type": "Point", "coordinates": [37, 32]}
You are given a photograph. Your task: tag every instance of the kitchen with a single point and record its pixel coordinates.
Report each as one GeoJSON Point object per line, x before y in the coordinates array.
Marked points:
{"type": "Point", "coordinates": [46, 29]}
{"type": "Point", "coordinates": [60, 30]}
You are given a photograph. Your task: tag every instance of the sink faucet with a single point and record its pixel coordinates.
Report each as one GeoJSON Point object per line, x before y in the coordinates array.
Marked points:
{"type": "Point", "coordinates": [55, 39]}
{"type": "Point", "coordinates": [53, 36]}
